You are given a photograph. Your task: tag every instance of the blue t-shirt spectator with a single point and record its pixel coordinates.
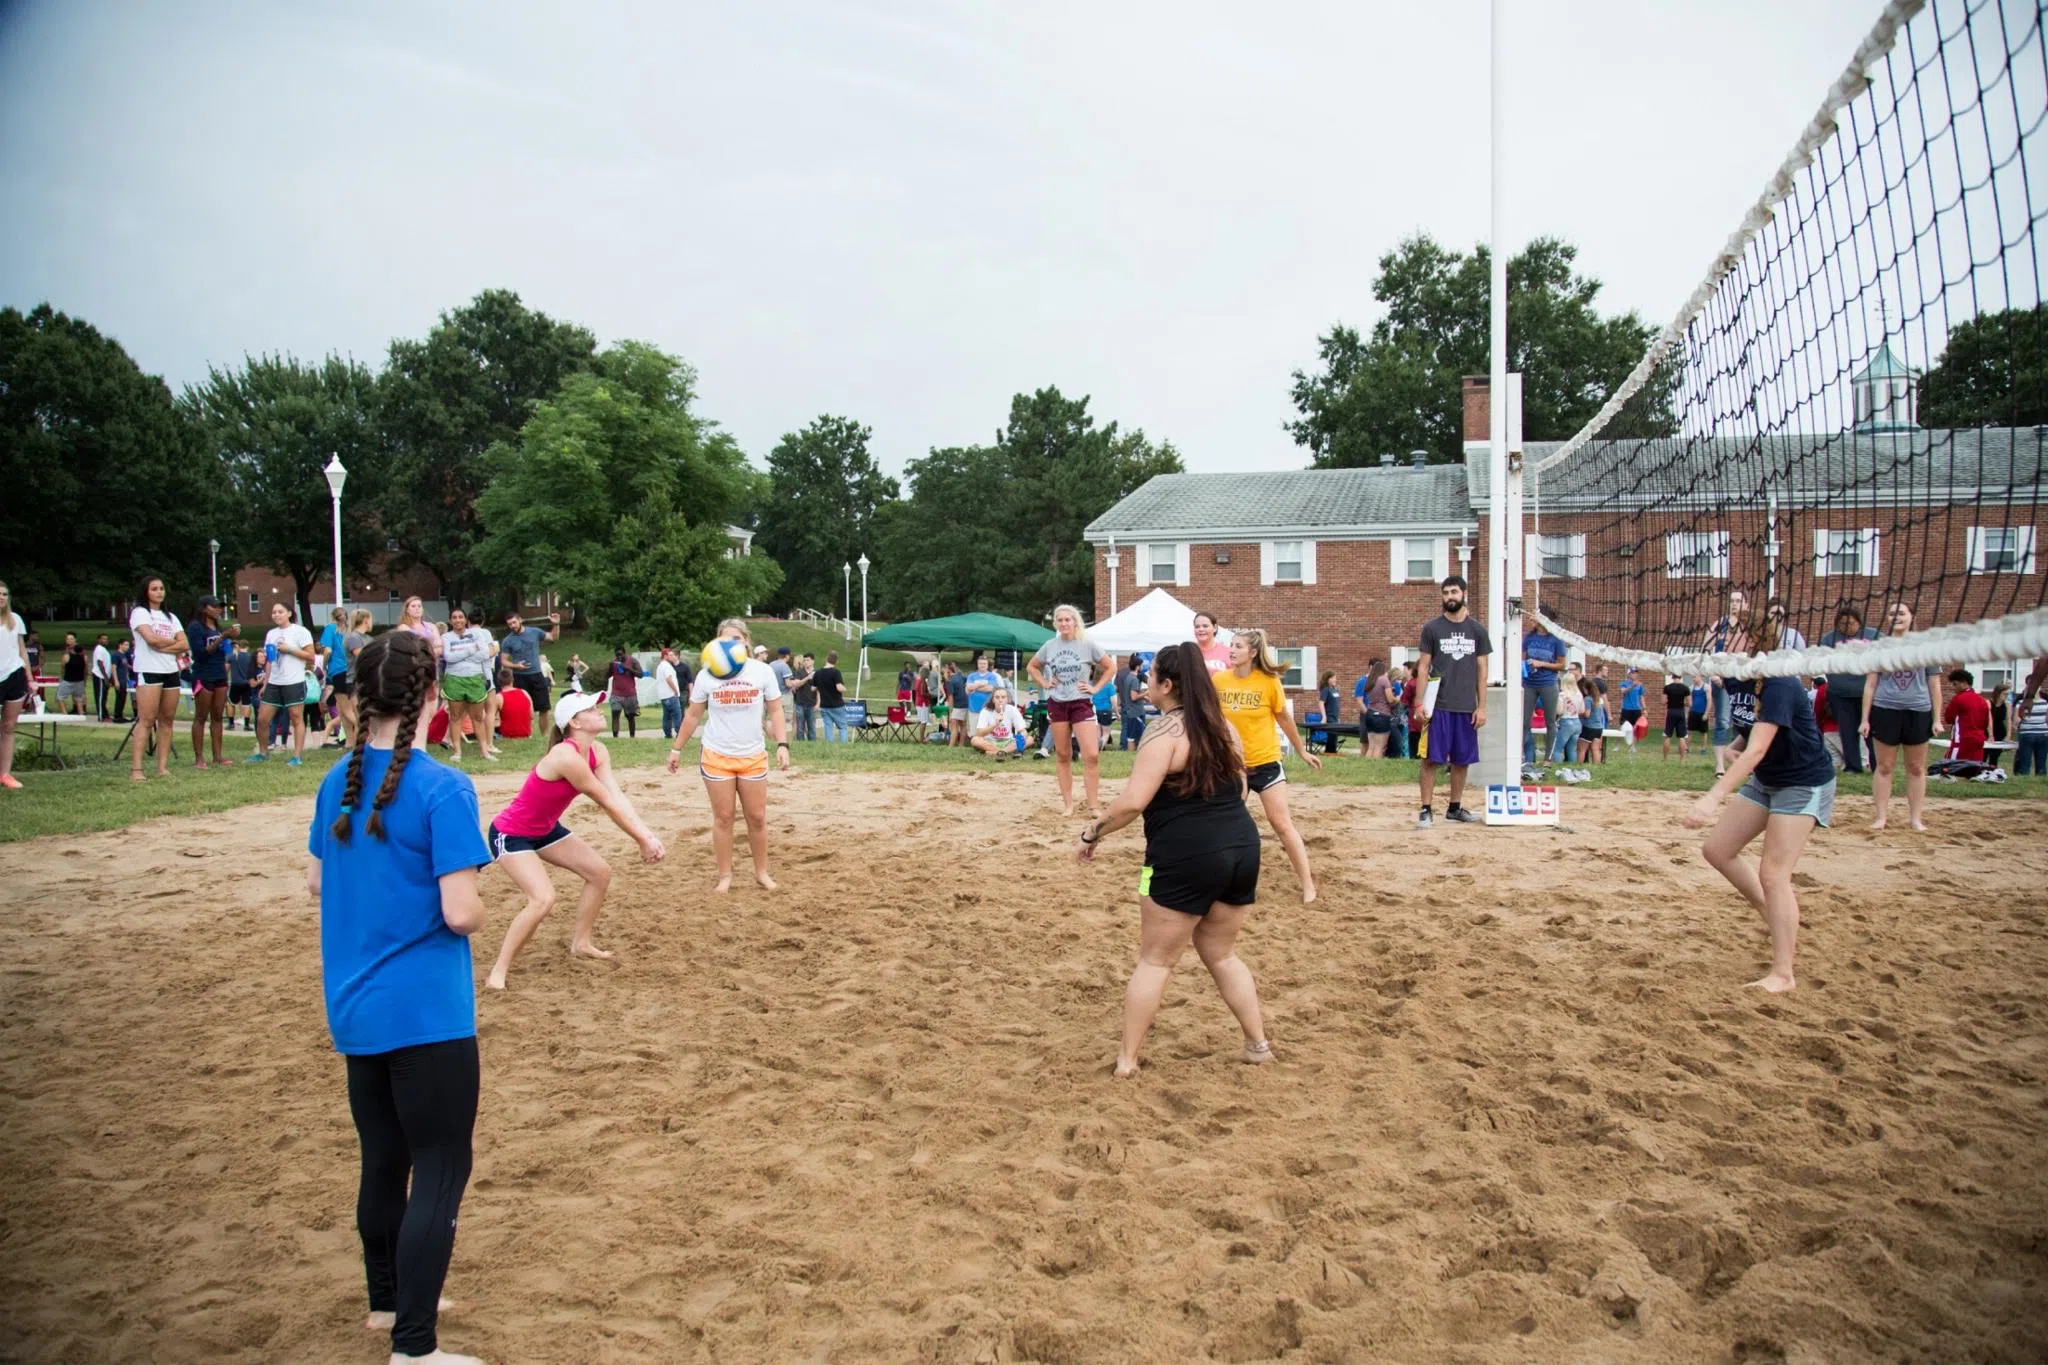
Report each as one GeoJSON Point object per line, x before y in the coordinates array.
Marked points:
{"type": "Point", "coordinates": [334, 648]}
{"type": "Point", "coordinates": [977, 700]}
{"type": "Point", "coordinates": [1631, 696]}
{"type": "Point", "coordinates": [956, 692]}
{"type": "Point", "coordinates": [1105, 695]}
{"type": "Point", "coordinates": [520, 649]}
{"type": "Point", "coordinates": [242, 671]}
{"type": "Point", "coordinates": [209, 652]}
{"type": "Point", "coordinates": [1797, 756]}
{"type": "Point", "coordinates": [394, 973]}
{"type": "Point", "coordinates": [1544, 648]}
{"type": "Point", "coordinates": [124, 664]}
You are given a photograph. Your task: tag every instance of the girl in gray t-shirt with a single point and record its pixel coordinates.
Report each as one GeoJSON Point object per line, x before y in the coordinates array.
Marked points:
{"type": "Point", "coordinates": [1899, 708]}
{"type": "Point", "coordinates": [1072, 668]}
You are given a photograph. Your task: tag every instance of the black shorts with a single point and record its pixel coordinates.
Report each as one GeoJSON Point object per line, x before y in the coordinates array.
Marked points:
{"type": "Point", "coordinates": [1264, 776]}
{"type": "Point", "coordinates": [1702, 722]}
{"type": "Point", "coordinates": [502, 843]}
{"type": "Point", "coordinates": [1674, 725]}
{"type": "Point", "coordinates": [1900, 728]}
{"type": "Point", "coordinates": [1630, 716]}
{"type": "Point", "coordinates": [156, 680]}
{"type": "Point", "coordinates": [240, 694]}
{"type": "Point", "coordinates": [343, 686]}
{"type": "Point", "coordinates": [1378, 724]}
{"type": "Point", "coordinates": [14, 687]}
{"type": "Point", "coordinates": [1193, 883]}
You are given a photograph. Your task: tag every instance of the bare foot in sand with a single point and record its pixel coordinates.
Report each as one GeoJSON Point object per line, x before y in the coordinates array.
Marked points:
{"type": "Point", "coordinates": [1919, 826]}
{"type": "Point", "coordinates": [1259, 1053]}
{"type": "Point", "coordinates": [589, 950]}
{"type": "Point", "coordinates": [1775, 983]}
{"type": "Point", "coordinates": [495, 981]}
{"type": "Point", "coordinates": [1066, 810]}
{"type": "Point", "coordinates": [1125, 1069]}
{"type": "Point", "coordinates": [1308, 894]}
{"type": "Point", "coordinates": [384, 1322]}
{"type": "Point", "coordinates": [436, 1358]}
{"type": "Point", "coordinates": [766, 882]}
{"type": "Point", "coordinates": [724, 884]}
{"type": "Point", "coordinates": [1876, 825]}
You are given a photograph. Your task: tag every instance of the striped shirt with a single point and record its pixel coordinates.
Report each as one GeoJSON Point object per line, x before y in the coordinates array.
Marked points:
{"type": "Point", "coordinates": [2035, 721]}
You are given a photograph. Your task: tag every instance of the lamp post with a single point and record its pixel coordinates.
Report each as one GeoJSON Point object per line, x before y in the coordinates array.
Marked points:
{"type": "Point", "coordinates": [848, 609]}
{"type": "Point", "coordinates": [213, 559]}
{"type": "Point", "coordinates": [863, 562]}
{"type": "Point", "coordinates": [336, 477]}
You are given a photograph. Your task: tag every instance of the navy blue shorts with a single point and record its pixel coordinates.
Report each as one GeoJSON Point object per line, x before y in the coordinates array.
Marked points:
{"type": "Point", "coordinates": [502, 843]}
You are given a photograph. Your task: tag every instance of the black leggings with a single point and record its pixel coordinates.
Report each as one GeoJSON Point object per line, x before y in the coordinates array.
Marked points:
{"type": "Point", "coordinates": [415, 1110]}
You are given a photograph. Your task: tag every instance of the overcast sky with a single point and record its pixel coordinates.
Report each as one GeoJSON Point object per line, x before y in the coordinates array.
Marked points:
{"type": "Point", "coordinates": [903, 213]}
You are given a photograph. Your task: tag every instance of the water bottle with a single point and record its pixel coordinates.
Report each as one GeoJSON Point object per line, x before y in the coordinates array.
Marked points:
{"type": "Point", "coordinates": [270, 651]}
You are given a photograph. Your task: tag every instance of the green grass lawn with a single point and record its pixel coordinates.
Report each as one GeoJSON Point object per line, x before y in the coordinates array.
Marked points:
{"type": "Point", "coordinates": [95, 793]}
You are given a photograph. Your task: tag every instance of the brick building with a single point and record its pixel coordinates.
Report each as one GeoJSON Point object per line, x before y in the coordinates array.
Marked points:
{"type": "Point", "coordinates": [1636, 542]}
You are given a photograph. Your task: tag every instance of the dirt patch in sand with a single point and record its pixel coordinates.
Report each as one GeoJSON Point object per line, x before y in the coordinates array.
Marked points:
{"type": "Point", "coordinates": [1523, 1110]}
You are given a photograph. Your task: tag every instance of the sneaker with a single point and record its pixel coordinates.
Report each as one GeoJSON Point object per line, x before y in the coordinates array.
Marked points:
{"type": "Point", "coordinates": [257, 758]}
{"type": "Point", "coordinates": [1458, 815]}
{"type": "Point", "coordinates": [10, 783]}
{"type": "Point", "coordinates": [1425, 820]}
{"type": "Point", "coordinates": [294, 762]}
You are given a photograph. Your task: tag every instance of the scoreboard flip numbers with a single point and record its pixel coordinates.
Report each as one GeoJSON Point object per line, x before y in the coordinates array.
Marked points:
{"type": "Point", "coordinates": [1524, 805]}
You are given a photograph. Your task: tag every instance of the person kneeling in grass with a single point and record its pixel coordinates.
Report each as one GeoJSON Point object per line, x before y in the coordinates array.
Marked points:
{"type": "Point", "coordinates": [1781, 771]}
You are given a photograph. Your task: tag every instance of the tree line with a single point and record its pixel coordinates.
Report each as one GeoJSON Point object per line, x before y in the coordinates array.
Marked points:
{"type": "Point", "coordinates": [506, 452]}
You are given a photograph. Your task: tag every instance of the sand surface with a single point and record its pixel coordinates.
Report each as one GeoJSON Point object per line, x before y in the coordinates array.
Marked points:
{"type": "Point", "coordinates": [1523, 1110]}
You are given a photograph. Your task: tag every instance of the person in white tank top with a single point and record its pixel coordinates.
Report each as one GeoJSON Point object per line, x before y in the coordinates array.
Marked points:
{"type": "Point", "coordinates": [13, 685]}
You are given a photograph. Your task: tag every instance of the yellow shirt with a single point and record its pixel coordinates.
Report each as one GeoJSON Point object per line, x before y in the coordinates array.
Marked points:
{"type": "Point", "coordinates": [1251, 704]}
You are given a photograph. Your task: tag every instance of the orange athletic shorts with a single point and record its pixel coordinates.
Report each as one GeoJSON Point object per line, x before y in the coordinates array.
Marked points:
{"type": "Point", "coordinates": [718, 767]}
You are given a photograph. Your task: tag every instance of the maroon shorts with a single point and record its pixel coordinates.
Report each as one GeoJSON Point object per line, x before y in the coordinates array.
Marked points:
{"type": "Point", "coordinates": [1070, 712]}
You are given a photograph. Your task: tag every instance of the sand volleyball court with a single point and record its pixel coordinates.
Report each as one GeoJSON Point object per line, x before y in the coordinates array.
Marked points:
{"type": "Point", "coordinates": [1522, 1112]}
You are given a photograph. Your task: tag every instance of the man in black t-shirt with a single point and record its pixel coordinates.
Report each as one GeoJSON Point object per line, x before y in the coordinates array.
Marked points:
{"type": "Point", "coordinates": [1452, 646]}
{"type": "Point", "coordinates": [1677, 703]}
{"type": "Point", "coordinates": [831, 689]}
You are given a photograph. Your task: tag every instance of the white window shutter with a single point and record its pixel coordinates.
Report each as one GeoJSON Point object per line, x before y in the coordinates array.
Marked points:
{"type": "Point", "coordinates": [1720, 554]}
{"type": "Point", "coordinates": [1532, 557]}
{"type": "Point", "coordinates": [1674, 554]}
{"type": "Point", "coordinates": [2025, 557]}
{"type": "Point", "coordinates": [1310, 673]}
{"type": "Point", "coordinates": [1974, 544]}
{"type": "Point", "coordinates": [1397, 561]}
{"type": "Point", "coordinates": [1578, 559]}
{"type": "Point", "coordinates": [1308, 561]}
{"type": "Point", "coordinates": [1265, 563]}
{"type": "Point", "coordinates": [1443, 558]}
{"type": "Point", "coordinates": [1820, 554]}
{"type": "Point", "coordinates": [1870, 547]}
{"type": "Point", "coordinates": [1180, 565]}
{"type": "Point", "coordinates": [1141, 568]}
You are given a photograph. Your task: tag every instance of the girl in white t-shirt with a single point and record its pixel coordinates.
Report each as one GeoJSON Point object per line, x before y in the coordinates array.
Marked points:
{"type": "Point", "coordinates": [734, 756]}
{"type": "Point", "coordinates": [159, 640]}
{"type": "Point", "coordinates": [13, 684]}
{"type": "Point", "coordinates": [999, 726]}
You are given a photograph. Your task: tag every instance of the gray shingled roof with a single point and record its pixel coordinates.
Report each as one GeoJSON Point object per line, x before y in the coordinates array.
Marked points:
{"type": "Point", "coordinates": [1920, 467]}
{"type": "Point", "coordinates": [1355, 500]}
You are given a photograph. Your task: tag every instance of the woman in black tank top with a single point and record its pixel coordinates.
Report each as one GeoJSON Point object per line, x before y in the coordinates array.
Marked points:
{"type": "Point", "coordinates": [1201, 870]}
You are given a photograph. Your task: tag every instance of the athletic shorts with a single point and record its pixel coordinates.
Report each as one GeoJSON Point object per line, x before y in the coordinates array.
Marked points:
{"type": "Point", "coordinates": [1818, 802]}
{"type": "Point", "coordinates": [1630, 717]}
{"type": "Point", "coordinates": [14, 687]}
{"type": "Point", "coordinates": [502, 843]}
{"type": "Point", "coordinates": [1675, 725]}
{"type": "Point", "coordinates": [630, 705]}
{"type": "Point", "coordinates": [1453, 740]}
{"type": "Point", "coordinates": [463, 690]}
{"type": "Point", "coordinates": [1193, 883]}
{"type": "Point", "coordinates": [1899, 728]}
{"type": "Point", "coordinates": [284, 694]}
{"type": "Point", "coordinates": [156, 680]}
{"type": "Point", "coordinates": [718, 767]}
{"type": "Point", "coordinates": [1699, 723]}
{"type": "Point", "coordinates": [1070, 712]}
{"type": "Point", "coordinates": [1264, 776]}
{"type": "Point", "coordinates": [343, 686]}
{"type": "Point", "coordinates": [70, 691]}
{"type": "Point", "coordinates": [240, 694]}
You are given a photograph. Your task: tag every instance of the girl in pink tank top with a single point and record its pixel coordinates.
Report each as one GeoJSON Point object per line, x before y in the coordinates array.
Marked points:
{"type": "Point", "coordinates": [529, 832]}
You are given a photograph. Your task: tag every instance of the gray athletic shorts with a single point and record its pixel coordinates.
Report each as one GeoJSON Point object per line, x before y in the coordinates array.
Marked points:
{"type": "Point", "coordinates": [1818, 802]}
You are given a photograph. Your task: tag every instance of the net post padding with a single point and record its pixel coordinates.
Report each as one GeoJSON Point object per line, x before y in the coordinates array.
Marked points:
{"type": "Point", "coordinates": [2021, 636]}
{"type": "Point", "coordinates": [1851, 83]}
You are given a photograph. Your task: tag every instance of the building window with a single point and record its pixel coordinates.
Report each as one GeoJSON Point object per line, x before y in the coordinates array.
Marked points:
{"type": "Point", "coordinates": [1160, 563]}
{"type": "Point", "coordinates": [1290, 666]}
{"type": "Point", "coordinates": [1421, 555]}
{"type": "Point", "coordinates": [1696, 554]}
{"type": "Point", "coordinates": [2001, 549]}
{"type": "Point", "coordinates": [255, 602]}
{"type": "Point", "coordinates": [392, 596]}
{"type": "Point", "coordinates": [1287, 561]}
{"type": "Point", "coordinates": [1845, 554]}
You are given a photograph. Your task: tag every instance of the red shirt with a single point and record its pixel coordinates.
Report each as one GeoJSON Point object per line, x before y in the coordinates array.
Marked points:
{"type": "Point", "coordinates": [1970, 713]}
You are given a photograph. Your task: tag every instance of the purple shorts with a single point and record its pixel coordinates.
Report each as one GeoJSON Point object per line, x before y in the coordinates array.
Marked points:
{"type": "Point", "coordinates": [1452, 740]}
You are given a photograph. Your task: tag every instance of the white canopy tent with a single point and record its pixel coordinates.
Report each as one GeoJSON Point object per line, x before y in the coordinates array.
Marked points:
{"type": "Point", "coordinates": [1150, 624]}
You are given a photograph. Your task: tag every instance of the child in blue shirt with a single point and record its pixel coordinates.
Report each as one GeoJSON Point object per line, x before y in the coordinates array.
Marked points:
{"type": "Point", "coordinates": [393, 857]}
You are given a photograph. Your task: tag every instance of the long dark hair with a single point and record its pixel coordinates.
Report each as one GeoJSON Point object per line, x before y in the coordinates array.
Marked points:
{"type": "Point", "coordinates": [1213, 762]}
{"type": "Point", "coordinates": [393, 675]}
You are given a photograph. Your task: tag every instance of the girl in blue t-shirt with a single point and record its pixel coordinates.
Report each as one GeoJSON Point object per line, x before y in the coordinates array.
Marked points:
{"type": "Point", "coordinates": [1785, 780]}
{"type": "Point", "coordinates": [394, 853]}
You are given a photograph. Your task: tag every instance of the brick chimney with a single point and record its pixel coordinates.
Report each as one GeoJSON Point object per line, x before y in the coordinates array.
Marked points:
{"type": "Point", "coordinates": [1478, 408]}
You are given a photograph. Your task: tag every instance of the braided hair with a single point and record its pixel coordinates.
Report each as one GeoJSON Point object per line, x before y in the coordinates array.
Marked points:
{"type": "Point", "coordinates": [394, 674]}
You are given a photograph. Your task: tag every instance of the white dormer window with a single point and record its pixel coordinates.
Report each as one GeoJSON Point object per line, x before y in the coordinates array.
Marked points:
{"type": "Point", "coordinates": [1160, 559]}
{"type": "Point", "coordinates": [1287, 561]}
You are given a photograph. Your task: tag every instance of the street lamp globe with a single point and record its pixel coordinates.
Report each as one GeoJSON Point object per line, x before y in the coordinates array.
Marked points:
{"type": "Point", "coordinates": [336, 475]}
{"type": "Point", "coordinates": [863, 563]}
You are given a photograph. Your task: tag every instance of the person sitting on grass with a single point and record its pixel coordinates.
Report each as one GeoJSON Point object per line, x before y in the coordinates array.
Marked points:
{"type": "Point", "coordinates": [999, 728]}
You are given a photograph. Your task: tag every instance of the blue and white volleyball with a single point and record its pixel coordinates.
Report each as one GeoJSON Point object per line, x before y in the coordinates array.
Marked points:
{"type": "Point", "coordinates": [722, 658]}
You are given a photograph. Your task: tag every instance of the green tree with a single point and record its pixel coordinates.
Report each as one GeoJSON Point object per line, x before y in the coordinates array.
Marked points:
{"type": "Point", "coordinates": [1994, 373]}
{"type": "Point", "coordinates": [999, 527]}
{"type": "Point", "coordinates": [820, 515]}
{"type": "Point", "coordinates": [1400, 389]}
{"type": "Point", "coordinates": [274, 424]}
{"type": "Point", "coordinates": [617, 495]}
{"type": "Point", "coordinates": [104, 480]}
{"type": "Point", "coordinates": [443, 402]}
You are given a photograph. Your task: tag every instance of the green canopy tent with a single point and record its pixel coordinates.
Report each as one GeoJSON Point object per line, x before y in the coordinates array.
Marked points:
{"type": "Point", "coordinates": [974, 630]}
